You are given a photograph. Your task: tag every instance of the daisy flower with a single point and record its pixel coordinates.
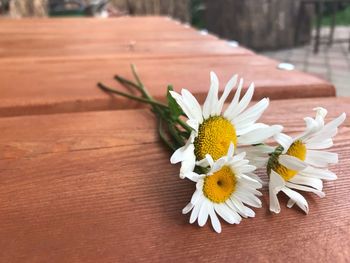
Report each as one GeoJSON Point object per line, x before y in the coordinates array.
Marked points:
{"type": "Point", "coordinates": [301, 163]}
{"type": "Point", "coordinates": [224, 190]}
{"type": "Point", "coordinates": [214, 129]}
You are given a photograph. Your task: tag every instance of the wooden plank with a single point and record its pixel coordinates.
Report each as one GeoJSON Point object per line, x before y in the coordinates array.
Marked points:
{"type": "Point", "coordinates": [88, 187]}
{"type": "Point", "coordinates": [47, 86]}
{"type": "Point", "coordinates": [156, 37]}
{"type": "Point", "coordinates": [123, 49]}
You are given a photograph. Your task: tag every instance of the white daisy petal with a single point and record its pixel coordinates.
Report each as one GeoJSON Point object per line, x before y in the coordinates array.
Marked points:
{"type": "Point", "coordinates": [240, 208]}
{"type": "Point", "coordinates": [196, 197]}
{"type": "Point", "coordinates": [248, 199]}
{"type": "Point", "coordinates": [274, 204]}
{"type": "Point", "coordinates": [194, 177]}
{"type": "Point", "coordinates": [308, 181]}
{"type": "Point", "coordinates": [243, 104]}
{"type": "Point", "coordinates": [251, 115]}
{"type": "Point", "coordinates": [187, 208]}
{"type": "Point", "coordinates": [192, 104]}
{"type": "Point", "coordinates": [195, 211]}
{"type": "Point", "coordinates": [230, 109]}
{"type": "Point", "coordinates": [336, 122]}
{"type": "Point", "coordinates": [212, 98]}
{"type": "Point", "coordinates": [243, 129]}
{"type": "Point", "coordinates": [319, 145]}
{"type": "Point", "coordinates": [259, 135]}
{"type": "Point", "coordinates": [199, 185]}
{"type": "Point", "coordinates": [290, 203]}
{"type": "Point", "coordinates": [304, 154]}
{"type": "Point", "coordinates": [203, 213]}
{"type": "Point", "coordinates": [181, 153]}
{"type": "Point", "coordinates": [311, 126]}
{"type": "Point", "coordinates": [217, 165]}
{"type": "Point", "coordinates": [222, 213]}
{"type": "Point", "coordinates": [184, 106]}
{"type": "Point", "coordinates": [284, 140]}
{"type": "Point", "coordinates": [256, 178]}
{"type": "Point", "coordinates": [231, 150]}
{"type": "Point", "coordinates": [305, 188]}
{"type": "Point", "coordinates": [214, 220]}
{"type": "Point", "coordinates": [321, 158]}
{"type": "Point", "coordinates": [318, 173]}
{"type": "Point", "coordinates": [321, 136]}
{"type": "Point", "coordinates": [275, 186]}
{"type": "Point", "coordinates": [194, 124]}
{"type": "Point", "coordinates": [247, 168]}
{"type": "Point", "coordinates": [203, 163]}
{"type": "Point", "coordinates": [188, 164]}
{"type": "Point", "coordinates": [320, 115]}
{"type": "Point", "coordinates": [228, 88]}
{"type": "Point", "coordinates": [251, 182]}
{"type": "Point", "coordinates": [292, 162]}
{"type": "Point", "coordinates": [211, 187]}
{"type": "Point", "coordinates": [225, 214]}
{"type": "Point", "coordinates": [297, 198]}
{"type": "Point", "coordinates": [178, 155]}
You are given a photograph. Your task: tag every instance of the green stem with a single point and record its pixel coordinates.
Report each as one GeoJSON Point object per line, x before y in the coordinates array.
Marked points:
{"type": "Point", "coordinates": [184, 125]}
{"type": "Point", "coordinates": [163, 137]}
{"type": "Point", "coordinates": [127, 82]}
{"type": "Point", "coordinates": [152, 102]}
{"type": "Point", "coordinates": [175, 134]}
{"type": "Point", "coordinates": [139, 82]}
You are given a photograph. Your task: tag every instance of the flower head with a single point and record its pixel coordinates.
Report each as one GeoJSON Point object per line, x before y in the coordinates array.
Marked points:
{"type": "Point", "coordinates": [224, 190]}
{"type": "Point", "coordinates": [301, 163]}
{"type": "Point", "coordinates": [214, 129]}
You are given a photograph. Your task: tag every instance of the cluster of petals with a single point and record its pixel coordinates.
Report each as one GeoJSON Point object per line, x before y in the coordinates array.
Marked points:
{"type": "Point", "coordinates": [249, 152]}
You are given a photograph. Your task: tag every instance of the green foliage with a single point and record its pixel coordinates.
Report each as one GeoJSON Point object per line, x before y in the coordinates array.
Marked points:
{"type": "Point", "coordinates": [342, 18]}
{"type": "Point", "coordinates": [174, 108]}
{"type": "Point", "coordinates": [197, 10]}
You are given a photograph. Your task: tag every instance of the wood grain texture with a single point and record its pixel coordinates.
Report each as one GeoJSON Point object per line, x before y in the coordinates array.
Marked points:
{"type": "Point", "coordinates": [58, 85]}
{"type": "Point", "coordinates": [52, 65]}
{"type": "Point", "coordinates": [98, 187]}
{"type": "Point", "coordinates": [126, 37]}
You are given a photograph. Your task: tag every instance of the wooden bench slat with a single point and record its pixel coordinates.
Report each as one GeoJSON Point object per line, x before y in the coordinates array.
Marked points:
{"type": "Point", "coordinates": [52, 65]}
{"type": "Point", "coordinates": [99, 187]}
{"type": "Point", "coordinates": [59, 85]}
{"type": "Point", "coordinates": [121, 36]}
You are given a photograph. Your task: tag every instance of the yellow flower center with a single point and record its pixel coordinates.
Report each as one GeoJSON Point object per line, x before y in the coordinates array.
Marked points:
{"type": "Point", "coordinates": [215, 135]}
{"type": "Point", "coordinates": [219, 186]}
{"type": "Point", "coordinates": [298, 150]}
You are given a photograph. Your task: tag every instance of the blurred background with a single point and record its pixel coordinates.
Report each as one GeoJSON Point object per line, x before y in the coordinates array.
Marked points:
{"type": "Point", "coordinates": [312, 35]}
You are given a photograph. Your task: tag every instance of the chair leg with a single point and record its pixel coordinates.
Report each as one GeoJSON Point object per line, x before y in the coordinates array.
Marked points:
{"type": "Point", "coordinates": [319, 9]}
{"type": "Point", "coordinates": [297, 28]}
{"type": "Point", "coordinates": [333, 22]}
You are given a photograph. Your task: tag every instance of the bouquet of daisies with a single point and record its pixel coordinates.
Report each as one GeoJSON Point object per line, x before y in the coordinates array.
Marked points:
{"type": "Point", "coordinates": [220, 146]}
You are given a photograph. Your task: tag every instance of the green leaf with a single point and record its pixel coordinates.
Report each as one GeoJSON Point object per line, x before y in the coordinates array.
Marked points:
{"type": "Point", "coordinates": [175, 109]}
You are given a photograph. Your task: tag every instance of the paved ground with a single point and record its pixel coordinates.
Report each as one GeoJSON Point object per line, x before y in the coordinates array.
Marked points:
{"type": "Point", "coordinates": [331, 63]}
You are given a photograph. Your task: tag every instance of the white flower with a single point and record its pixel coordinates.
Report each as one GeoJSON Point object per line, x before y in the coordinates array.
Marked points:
{"type": "Point", "coordinates": [300, 163]}
{"type": "Point", "coordinates": [224, 190]}
{"type": "Point", "coordinates": [214, 130]}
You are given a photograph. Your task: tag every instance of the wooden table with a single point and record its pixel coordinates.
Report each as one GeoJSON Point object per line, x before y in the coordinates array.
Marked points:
{"type": "Point", "coordinates": [53, 65]}
{"type": "Point", "coordinates": [98, 187]}
{"type": "Point", "coordinates": [89, 181]}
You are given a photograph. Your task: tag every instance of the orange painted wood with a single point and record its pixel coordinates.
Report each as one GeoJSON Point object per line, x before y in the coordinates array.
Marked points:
{"type": "Point", "coordinates": [98, 187]}
{"type": "Point", "coordinates": [30, 86]}
{"type": "Point", "coordinates": [150, 37]}
{"type": "Point", "coordinates": [53, 65]}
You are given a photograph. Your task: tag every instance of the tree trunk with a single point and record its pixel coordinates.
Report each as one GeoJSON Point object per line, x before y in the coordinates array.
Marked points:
{"type": "Point", "coordinates": [263, 24]}
{"type": "Point", "coordinates": [28, 8]}
{"type": "Point", "coordinates": [176, 8]}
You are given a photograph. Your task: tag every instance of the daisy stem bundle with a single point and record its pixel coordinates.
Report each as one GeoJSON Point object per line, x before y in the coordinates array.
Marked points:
{"type": "Point", "coordinates": [172, 130]}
